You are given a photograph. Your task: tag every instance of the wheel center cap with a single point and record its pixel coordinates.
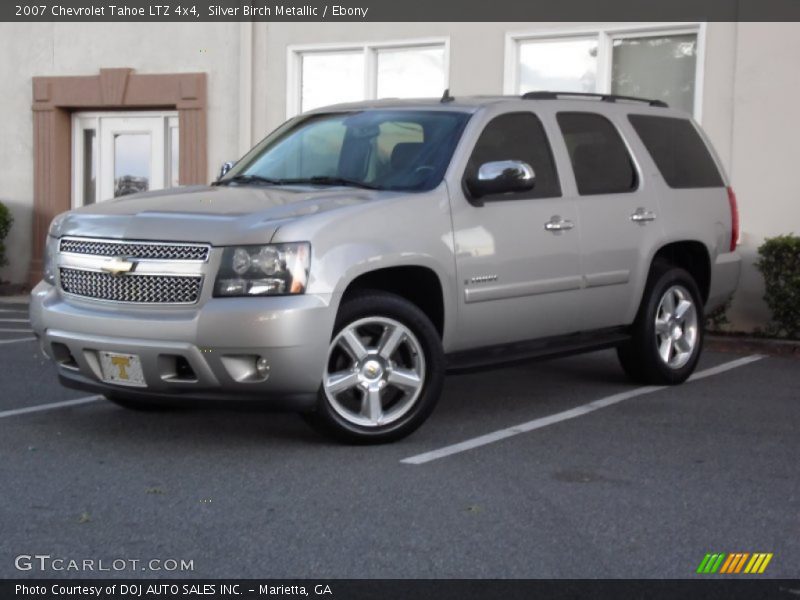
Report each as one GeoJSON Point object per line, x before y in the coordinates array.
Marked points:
{"type": "Point", "coordinates": [372, 370]}
{"type": "Point", "coordinates": [676, 333]}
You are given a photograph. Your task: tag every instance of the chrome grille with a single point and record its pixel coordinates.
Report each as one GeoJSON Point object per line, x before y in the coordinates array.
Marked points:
{"type": "Point", "coordinates": [142, 250]}
{"type": "Point", "coordinates": [153, 289]}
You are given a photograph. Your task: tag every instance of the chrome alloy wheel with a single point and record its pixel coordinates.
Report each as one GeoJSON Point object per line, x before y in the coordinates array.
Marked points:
{"type": "Point", "coordinates": [375, 372]}
{"type": "Point", "coordinates": [676, 327]}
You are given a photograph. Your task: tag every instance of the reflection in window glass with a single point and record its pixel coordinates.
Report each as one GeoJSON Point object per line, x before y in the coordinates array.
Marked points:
{"type": "Point", "coordinates": [314, 150]}
{"type": "Point", "coordinates": [131, 163]}
{"type": "Point", "coordinates": [331, 78]}
{"type": "Point", "coordinates": [657, 67]}
{"type": "Point", "coordinates": [558, 65]}
{"type": "Point", "coordinates": [174, 155]}
{"type": "Point", "coordinates": [411, 72]}
{"type": "Point", "coordinates": [397, 145]}
{"type": "Point", "coordinates": [386, 149]}
{"type": "Point", "coordinates": [89, 166]}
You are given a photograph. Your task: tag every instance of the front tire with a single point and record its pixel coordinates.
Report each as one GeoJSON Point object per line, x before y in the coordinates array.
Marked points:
{"type": "Point", "coordinates": [668, 331]}
{"type": "Point", "coordinates": [384, 373]}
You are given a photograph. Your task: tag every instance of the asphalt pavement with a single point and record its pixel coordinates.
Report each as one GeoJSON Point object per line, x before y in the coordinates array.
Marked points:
{"type": "Point", "coordinates": [590, 476]}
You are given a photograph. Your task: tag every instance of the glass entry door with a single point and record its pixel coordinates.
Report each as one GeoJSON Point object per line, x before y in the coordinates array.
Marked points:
{"type": "Point", "coordinates": [116, 154]}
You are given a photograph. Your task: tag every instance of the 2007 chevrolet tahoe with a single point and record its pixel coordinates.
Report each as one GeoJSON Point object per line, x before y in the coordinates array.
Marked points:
{"type": "Point", "coordinates": [360, 251]}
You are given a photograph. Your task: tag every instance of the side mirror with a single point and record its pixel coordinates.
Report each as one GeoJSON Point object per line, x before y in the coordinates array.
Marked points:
{"type": "Point", "coordinates": [501, 177]}
{"type": "Point", "coordinates": [226, 166]}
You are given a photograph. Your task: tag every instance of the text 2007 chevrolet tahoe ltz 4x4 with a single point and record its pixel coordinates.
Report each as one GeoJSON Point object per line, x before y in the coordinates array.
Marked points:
{"type": "Point", "coordinates": [360, 251]}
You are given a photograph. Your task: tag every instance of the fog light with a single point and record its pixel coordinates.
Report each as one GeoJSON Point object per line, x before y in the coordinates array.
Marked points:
{"type": "Point", "coordinates": [262, 367]}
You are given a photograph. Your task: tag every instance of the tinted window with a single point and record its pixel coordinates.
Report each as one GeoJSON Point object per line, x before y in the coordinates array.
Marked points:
{"type": "Point", "coordinates": [518, 136]}
{"type": "Point", "coordinates": [386, 149]}
{"type": "Point", "coordinates": [599, 157]}
{"type": "Point", "coordinates": [678, 151]}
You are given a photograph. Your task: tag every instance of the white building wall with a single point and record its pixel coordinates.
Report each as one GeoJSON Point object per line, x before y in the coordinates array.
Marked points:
{"type": "Point", "coordinates": [749, 89]}
{"type": "Point", "coordinates": [765, 155]}
{"type": "Point", "coordinates": [36, 49]}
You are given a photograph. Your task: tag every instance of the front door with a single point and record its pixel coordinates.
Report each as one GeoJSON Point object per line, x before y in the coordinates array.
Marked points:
{"type": "Point", "coordinates": [517, 255]}
{"type": "Point", "coordinates": [116, 154]}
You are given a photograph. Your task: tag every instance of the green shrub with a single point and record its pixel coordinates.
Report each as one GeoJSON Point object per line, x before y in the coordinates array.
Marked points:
{"type": "Point", "coordinates": [5, 226]}
{"type": "Point", "coordinates": [780, 266]}
{"type": "Point", "coordinates": [717, 319]}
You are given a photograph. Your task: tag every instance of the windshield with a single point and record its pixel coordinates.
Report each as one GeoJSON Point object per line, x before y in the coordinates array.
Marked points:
{"type": "Point", "coordinates": [380, 149]}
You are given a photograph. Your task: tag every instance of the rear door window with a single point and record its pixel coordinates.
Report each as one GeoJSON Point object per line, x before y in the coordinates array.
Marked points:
{"type": "Point", "coordinates": [678, 150]}
{"type": "Point", "coordinates": [600, 160]}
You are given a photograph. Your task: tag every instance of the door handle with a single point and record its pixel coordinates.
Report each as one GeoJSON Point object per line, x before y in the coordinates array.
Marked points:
{"type": "Point", "coordinates": [556, 223]}
{"type": "Point", "coordinates": [643, 216]}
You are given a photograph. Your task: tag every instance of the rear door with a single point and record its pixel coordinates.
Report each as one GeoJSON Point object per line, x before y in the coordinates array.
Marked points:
{"type": "Point", "coordinates": [618, 212]}
{"type": "Point", "coordinates": [517, 280]}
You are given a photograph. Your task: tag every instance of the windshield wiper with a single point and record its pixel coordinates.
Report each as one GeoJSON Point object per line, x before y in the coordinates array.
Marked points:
{"type": "Point", "coordinates": [332, 180]}
{"type": "Point", "coordinates": [249, 179]}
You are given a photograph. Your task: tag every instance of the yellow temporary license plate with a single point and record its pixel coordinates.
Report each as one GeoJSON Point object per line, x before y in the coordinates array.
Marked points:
{"type": "Point", "coordinates": [122, 369]}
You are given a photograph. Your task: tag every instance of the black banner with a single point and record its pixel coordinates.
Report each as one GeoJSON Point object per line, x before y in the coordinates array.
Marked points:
{"type": "Point", "coordinates": [339, 589]}
{"type": "Point", "coordinates": [395, 10]}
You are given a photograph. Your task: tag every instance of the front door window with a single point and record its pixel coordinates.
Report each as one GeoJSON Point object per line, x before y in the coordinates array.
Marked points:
{"type": "Point", "coordinates": [116, 154]}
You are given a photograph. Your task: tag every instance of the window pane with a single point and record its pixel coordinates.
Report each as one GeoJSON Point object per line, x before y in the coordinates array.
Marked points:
{"type": "Point", "coordinates": [600, 160]}
{"type": "Point", "coordinates": [397, 147]}
{"type": "Point", "coordinates": [313, 151]}
{"type": "Point", "coordinates": [387, 149]}
{"type": "Point", "coordinates": [89, 165]}
{"type": "Point", "coordinates": [411, 72]}
{"type": "Point", "coordinates": [518, 136]}
{"type": "Point", "coordinates": [658, 67]}
{"type": "Point", "coordinates": [678, 151]}
{"type": "Point", "coordinates": [558, 65]}
{"type": "Point", "coordinates": [331, 78]}
{"type": "Point", "coordinates": [131, 163]}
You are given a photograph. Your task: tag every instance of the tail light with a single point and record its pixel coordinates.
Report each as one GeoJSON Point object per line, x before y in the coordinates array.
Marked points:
{"type": "Point", "coordinates": [734, 218]}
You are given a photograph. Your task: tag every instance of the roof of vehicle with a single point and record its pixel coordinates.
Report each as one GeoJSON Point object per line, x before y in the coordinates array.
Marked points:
{"type": "Point", "coordinates": [473, 103]}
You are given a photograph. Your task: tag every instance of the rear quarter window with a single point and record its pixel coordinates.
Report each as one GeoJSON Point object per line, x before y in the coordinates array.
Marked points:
{"type": "Point", "coordinates": [678, 150]}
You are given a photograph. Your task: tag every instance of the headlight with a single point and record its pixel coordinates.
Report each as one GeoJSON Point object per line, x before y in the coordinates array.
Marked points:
{"type": "Point", "coordinates": [49, 260]}
{"type": "Point", "coordinates": [269, 270]}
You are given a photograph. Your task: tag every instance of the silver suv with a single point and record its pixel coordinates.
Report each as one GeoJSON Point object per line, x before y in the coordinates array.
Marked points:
{"type": "Point", "coordinates": [360, 251]}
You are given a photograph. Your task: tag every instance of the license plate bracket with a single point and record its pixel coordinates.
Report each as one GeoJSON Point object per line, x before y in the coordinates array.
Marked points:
{"type": "Point", "coordinates": [120, 368]}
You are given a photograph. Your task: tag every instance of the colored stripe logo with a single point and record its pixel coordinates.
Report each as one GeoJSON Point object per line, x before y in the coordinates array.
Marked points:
{"type": "Point", "coordinates": [737, 562]}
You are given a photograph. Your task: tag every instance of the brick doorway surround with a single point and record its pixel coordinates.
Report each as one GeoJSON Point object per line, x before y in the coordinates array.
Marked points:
{"type": "Point", "coordinates": [56, 98]}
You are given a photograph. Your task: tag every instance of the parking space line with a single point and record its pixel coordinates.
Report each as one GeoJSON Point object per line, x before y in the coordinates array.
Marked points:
{"type": "Point", "coordinates": [17, 341]}
{"type": "Point", "coordinates": [566, 415]}
{"type": "Point", "coordinates": [54, 405]}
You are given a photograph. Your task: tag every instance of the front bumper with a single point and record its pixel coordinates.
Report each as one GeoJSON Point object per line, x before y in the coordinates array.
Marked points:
{"type": "Point", "coordinates": [219, 341]}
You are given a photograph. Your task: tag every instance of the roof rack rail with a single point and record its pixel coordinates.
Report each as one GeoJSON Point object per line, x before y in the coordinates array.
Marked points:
{"type": "Point", "coordinates": [604, 97]}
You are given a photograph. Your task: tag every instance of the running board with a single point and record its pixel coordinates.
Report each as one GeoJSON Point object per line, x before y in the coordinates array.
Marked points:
{"type": "Point", "coordinates": [551, 347]}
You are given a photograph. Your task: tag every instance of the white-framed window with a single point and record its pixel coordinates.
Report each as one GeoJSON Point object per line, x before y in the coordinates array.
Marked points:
{"type": "Point", "coordinates": [320, 75]}
{"type": "Point", "coordinates": [120, 153]}
{"type": "Point", "coordinates": [658, 61]}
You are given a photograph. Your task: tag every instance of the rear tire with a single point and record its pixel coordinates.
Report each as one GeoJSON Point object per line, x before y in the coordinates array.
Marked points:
{"type": "Point", "coordinates": [668, 331]}
{"type": "Point", "coordinates": [384, 373]}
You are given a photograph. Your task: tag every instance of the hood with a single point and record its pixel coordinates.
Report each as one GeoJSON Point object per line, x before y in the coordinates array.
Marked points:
{"type": "Point", "coordinates": [217, 215]}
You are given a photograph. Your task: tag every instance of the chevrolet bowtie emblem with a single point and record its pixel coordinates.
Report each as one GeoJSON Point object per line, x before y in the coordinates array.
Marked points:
{"type": "Point", "coordinates": [118, 266]}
